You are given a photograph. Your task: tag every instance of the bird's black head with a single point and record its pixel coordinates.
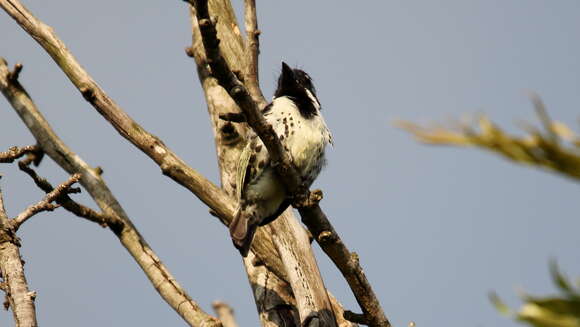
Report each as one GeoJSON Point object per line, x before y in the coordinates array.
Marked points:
{"type": "Point", "coordinates": [297, 85]}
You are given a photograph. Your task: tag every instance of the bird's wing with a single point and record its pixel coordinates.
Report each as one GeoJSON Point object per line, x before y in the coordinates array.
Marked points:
{"type": "Point", "coordinates": [242, 169]}
{"type": "Point", "coordinates": [253, 160]}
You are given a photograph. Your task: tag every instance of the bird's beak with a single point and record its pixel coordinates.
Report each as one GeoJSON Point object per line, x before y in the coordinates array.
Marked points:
{"type": "Point", "coordinates": [287, 72]}
{"type": "Point", "coordinates": [287, 77]}
{"type": "Point", "coordinates": [286, 69]}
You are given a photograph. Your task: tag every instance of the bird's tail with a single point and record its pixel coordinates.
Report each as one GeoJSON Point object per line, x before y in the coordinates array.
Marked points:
{"type": "Point", "coordinates": [242, 232]}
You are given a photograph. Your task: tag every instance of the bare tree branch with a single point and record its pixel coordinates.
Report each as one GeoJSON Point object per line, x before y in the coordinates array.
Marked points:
{"type": "Point", "coordinates": [46, 203]}
{"type": "Point", "coordinates": [311, 213]}
{"type": "Point", "coordinates": [20, 298]}
{"type": "Point", "coordinates": [251, 73]}
{"type": "Point", "coordinates": [294, 248]}
{"type": "Point", "coordinates": [160, 277]}
{"type": "Point", "coordinates": [15, 152]}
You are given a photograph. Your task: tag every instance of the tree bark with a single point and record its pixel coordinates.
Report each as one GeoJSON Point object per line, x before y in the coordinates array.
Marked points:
{"type": "Point", "coordinates": [20, 298]}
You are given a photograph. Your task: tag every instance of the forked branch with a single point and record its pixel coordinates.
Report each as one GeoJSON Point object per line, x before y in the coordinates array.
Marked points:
{"type": "Point", "coordinates": [46, 203]}
{"type": "Point", "coordinates": [112, 214]}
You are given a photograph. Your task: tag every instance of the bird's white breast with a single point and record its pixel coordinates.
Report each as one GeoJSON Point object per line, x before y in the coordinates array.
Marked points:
{"type": "Point", "coordinates": [304, 138]}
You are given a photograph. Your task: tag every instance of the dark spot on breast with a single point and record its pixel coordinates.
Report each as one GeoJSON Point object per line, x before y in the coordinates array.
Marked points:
{"type": "Point", "coordinates": [259, 148]}
{"type": "Point", "coordinates": [281, 137]}
{"type": "Point", "coordinates": [252, 158]}
{"type": "Point", "coordinates": [291, 124]}
{"type": "Point", "coordinates": [261, 164]}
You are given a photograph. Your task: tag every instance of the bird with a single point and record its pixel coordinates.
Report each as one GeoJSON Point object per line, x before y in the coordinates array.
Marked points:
{"type": "Point", "coordinates": [295, 115]}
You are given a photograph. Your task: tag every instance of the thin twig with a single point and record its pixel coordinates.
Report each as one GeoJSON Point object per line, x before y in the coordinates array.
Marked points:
{"type": "Point", "coordinates": [312, 216]}
{"type": "Point", "coordinates": [69, 204]}
{"type": "Point", "coordinates": [251, 73]}
{"type": "Point", "coordinates": [235, 117]}
{"type": "Point", "coordinates": [14, 153]}
{"type": "Point", "coordinates": [46, 203]}
{"type": "Point", "coordinates": [13, 76]}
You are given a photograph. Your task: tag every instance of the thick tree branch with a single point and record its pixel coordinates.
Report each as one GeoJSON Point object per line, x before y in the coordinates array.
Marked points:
{"type": "Point", "coordinates": [251, 73]}
{"type": "Point", "coordinates": [112, 214]}
{"type": "Point", "coordinates": [46, 203]}
{"type": "Point", "coordinates": [20, 298]}
{"type": "Point", "coordinates": [312, 215]}
{"type": "Point", "coordinates": [15, 152]}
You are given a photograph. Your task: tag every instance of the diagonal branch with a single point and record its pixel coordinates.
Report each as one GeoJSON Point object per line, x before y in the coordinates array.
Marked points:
{"type": "Point", "coordinates": [113, 214]}
{"type": "Point", "coordinates": [46, 203]}
{"type": "Point", "coordinates": [312, 215]}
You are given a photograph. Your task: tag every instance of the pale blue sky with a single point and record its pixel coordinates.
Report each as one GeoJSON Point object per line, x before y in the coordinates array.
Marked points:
{"type": "Point", "coordinates": [436, 228]}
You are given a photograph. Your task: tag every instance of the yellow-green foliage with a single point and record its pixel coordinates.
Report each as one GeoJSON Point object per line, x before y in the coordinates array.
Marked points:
{"type": "Point", "coordinates": [562, 310]}
{"type": "Point", "coordinates": [555, 147]}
